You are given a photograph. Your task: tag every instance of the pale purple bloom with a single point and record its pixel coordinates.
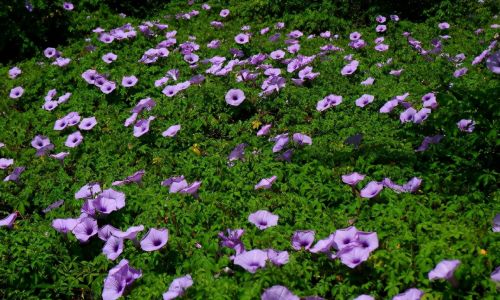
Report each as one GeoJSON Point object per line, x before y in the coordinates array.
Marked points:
{"type": "Point", "coordinates": [129, 81]}
{"type": "Point", "coordinates": [460, 72]}
{"type": "Point", "coordinates": [171, 131]}
{"type": "Point", "coordinates": [85, 229]}
{"type": "Point", "coordinates": [263, 219]}
{"type": "Point", "coordinates": [68, 6]}
{"type": "Point", "coordinates": [136, 177]}
{"type": "Point", "coordinates": [224, 13]}
{"type": "Point", "coordinates": [410, 294]}
{"type": "Point", "coordinates": [379, 40]}
{"type": "Point", "coordinates": [389, 106]}
{"type": "Point", "coordinates": [14, 176]}
{"type": "Point", "coordinates": [63, 98]}
{"type": "Point", "coordinates": [396, 72]}
{"type": "Point", "coordinates": [407, 115]}
{"type": "Point", "coordinates": [266, 183]}
{"type": "Point", "coordinates": [106, 38]}
{"type": "Point", "coordinates": [324, 245]}
{"type": "Point", "coordinates": [429, 100]}
{"type": "Point", "coordinates": [107, 87]}
{"type": "Point", "coordinates": [328, 101]}
{"type": "Point", "coordinates": [170, 90]}
{"type": "Point", "coordinates": [466, 125]}
{"type": "Point", "coordinates": [61, 61]}
{"type": "Point", "coordinates": [444, 270]}
{"type": "Point", "coordinates": [364, 297]}
{"type": "Point", "coordinates": [277, 55]}
{"type": "Point", "coordinates": [278, 292]}
{"type": "Point", "coordinates": [237, 153]}
{"type": "Point", "coordinates": [421, 115]}
{"type": "Point", "coordinates": [118, 279]}
{"type": "Point", "coordinates": [178, 287]}
{"type": "Point", "coordinates": [278, 258]}
{"type": "Point", "coordinates": [352, 256]}
{"type": "Point", "coordinates": [364, 100]}
{"type": "Point", "coordinates": [9, 220]}
{"type": "Point", "coordinates": [40, 141]}
{"type": "Point", "coordinates": [302, 139]}
{"type": "Point", "coordinates": [371, 190]}
{"type": "Point", "coordinates": [108, 201]}
{"type": "Point", "coordinates": [382, 47]}
{"type": "Point", "coordinates": [74, 139]}
{"type": "Point", "coordinates": [113, 247]}
{"type": "Point", "coordinates": [412, 185]}
{"type": "Point", "coordinates": [302, 239]}
{"type": "Point", "coordinates": [5, 163]}
{"type": "Point", "coordinates": [59, 156]}
{"type": "Point", "coordinates": [87, 123]}
{"type": "Point", "coordinates": [496, 223]}
{"type": "Point", "coordinates": [129, 234]}
{"type": "Point", "coordinates": [233, 240]}
{"type": "Point", "coordinates": [367, 240]}
{"type": "Point", "coordinates": [50, 52]}
{"type": "Point", "coordinates": [381, 28]}
{"type": "Point", "coordinates": [264, 130]}
{"type": "Point", "coordinates": [357, 44]}
{"type": "Point", "coordinates": [52, 206]}
{"type": "Point", "coordinates": [16, 92]}
{"type": "Point", "coordinates": [64, 225]}
{"type": "Point", "coordinates": [353, 178]}
{"type": "Point", "coordinates": [214, 44]}
{"type": "Point", "coordinates": [443, 25]}
{"type": "Point", "coordinates": [88, 191]}
{"type": "Point", "coordinates": [368, 81]}
{"type": "Point", "coordinates": [242, 38]}
{"type": "Point", "coordinates": [175, 183]}
{"type": "Point", "coordinates": [146, 103]}
{"type": "Point", "coordinates": [394, 18]}
{"type": "Point", "coordinates": [495, 275]}
{"type": "Point", "coordinates": [14, 72]}
{"type": "Point", "coordinates": [380, 19]}
{"type": "Point", "coordinates": [191, 189]}
{"type": "Point", "coordinates": [90, 76]}
{"type": "Point", "coordinates": [350, 68]}
{"type": "Point", "coordinates": [142, 126]}
{"type": "Point", "coordinates": [251, 260]}
{"type": "Point", "coordinates": [235, 97]}
{"type": "Point", "coordinates": [154, 239]}
{"type": "Point", "coordinates": [345, 237]}
{"type": "Point", "coordinates": [354, 36]}
{"type": "Point", "coordinates": [429, 140]}
{"type": "Point", "coordinates": [493, 62]}
{"type": "Point", "coordinates": [109, 57]}
{"type": "Point", "coordinates": [191, 58]}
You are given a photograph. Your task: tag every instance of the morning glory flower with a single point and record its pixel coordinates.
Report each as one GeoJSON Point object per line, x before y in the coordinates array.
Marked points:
{"type": "Point", "coordinates": [129, 81]}
{"type": "Point", "coordinates": [9, 220]}
{"type": "Point", "coordinates": [328, 101]}
{"type": "Point", "coordinates": [14, 176]}
{"type": "Point", "coordinates": [178, 287]}
{"type": "Point", "coordinates": [87, 123]}
{"type": "Point", "coordinates": [302, 139]}
{"type": "Point", "coordinates": [302, 239]}
{"type": "Point", "coordinates": [107, 87]}
{"type": "Point", "coordinates": [389, 106]}
{"type": "Point", "coordinates": [68, 6]}
{"type": "Point", "coordinates": [14, 72]}
{"type": "Point", "coordinates": [232, 240]}
{"type": "Point", "coordinates": [235, 97]}
{"type": "Point", "coordinates": [118, 279]}
{"type": "Point", "coordinates": [277, 54]}
{"type": "Point", "coordinates": [263, 219]}
{"type": "Point", "coordinates": [224, 13]}
{"type": "Point", "coordinates": [367, 240]}
{"type": "Point", "coordinates": [407, 115]}
{"type": "Point", "coordinates": [495, 275]}
{"type": "Point", "coordinates": [64, 225]}
{"type": "Point", "coordinates": [264, 130]}
{"type": "Point", "coordinates": [265, 183]}
{"type": "Point", "coordinates": [368, 81]}
{"type": "Point", "coordinates": [443, 25]}
{"type": "Point", "coordinates": [237, 153]}
{"type": "Point", "coordinates": [172, 131]}
{"type": "Point", "coordinates": [466, 125]}
{"type": "Point", "coordinates": [5, 163]}
{"type": "Point", "coordinates": [364, 100]}
{"type": "Point", "coordinates": [345, 237]}
{"type": "Point", "coordinates": [460, 72]}
{"type": "Point", "coordinates": [74, 139]}
{"type": "Point", "coordinates": [278, 258]}
{"type": "Point", "coordinates": [129, 234]}
{"type": "Point", "coordinates": [350, 68]}
{"type": "Point", "coordinates": [354, 36]}
{"type": "Point", "coordinates": [52, 206]}
{"type": "Point", "coordinates": [496, 223]}
{"type": "Point", "coordinates": [142, 126]}
{"type": "Point", "coordinates": [493, 62]}
{"type": "Point", "coordinates": [353, 178]}
{"type": "Point", "coordinates": [154, 239]}
{"type": "Point", "coordinates": [242, 38]}
{"type": "Point", "coordinates": [113, 247]}
{"type": "Point", "coordinates": [371, 190]}
{"type": "Point", "coordinates": [444, 270]}
{"type": "Point", "coordinates": [16, 92]}
{"type": "Point", "coordinates": [85, 229]}
{"type": "Point", "coordinates": [50, 52]}
{"type": "Point", "coordinates": [251, 260]}
{"type": "Point", "coordinates": [410, 294]}
{"type": "Point", "coordinates": [278, 292]}
{"type": "Point", "coordinates": [136, 177]}
{"type": "Point", "coordinates": [352, 256]}
{"type": "Point", "coordinates": [88, 191]}
{"type": "Point", "coordinates": [324, 245]}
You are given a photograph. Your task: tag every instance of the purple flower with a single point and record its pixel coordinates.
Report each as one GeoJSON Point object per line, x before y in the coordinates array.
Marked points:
{"type": "Point", "coordinates": [61, 61]}
{"type": "Point", "coordinates": [394, 18]}
{"type": "Point", "coordinates": [364, 297]}
{"type": "Point", "coordinates": [170, 90]}
{"type": "Point", "coordinates": [171, 131]}
{"type": "Point", "coordinates": [410, 294]}
{"type": "Point", "coordinates": [40, 141]}
{"type": "Point", "coordinates": [129, 81]}
{"type": "Point", "coordinates": [224, 13]}
{"type": "Point", "coordinates": [263, 219]}
{"type": "Point", "coordinates": [389, 106]}
{"type": "Point", "coordinates": [50, 52]}
{"type": "Point", "coordinates": [371, 190]}
{"type": "Point", "coordinates": [235, 97]}
{"type": "Point", "coordinates": [443, 25]}
{"type": "Point", "coordinates": [353, 178]}
{"type": "Point", "coordinates": [9, 220]}
{"type": "Point", "coordinates": [74, 139]}
{"type": "Point", "coordinates": [429, 140]}
{"type": "Point", "coordinates": [493, 62]}
{"type": "Point", "coordinates": [118, 279]}
{"type": "Point", "coordinates": [302, 139]}
{"type": "Point", "coordinates": [381, 28]}
{"type": "Point", "coordinates": [412, 185]}
{"type": "Point", "coordinates": [364, 100]}
{"type": "Point", "coordinates": [109, 57]}
{"type": "Point", "coordinates": [354, 36]}
{"type": "Point", "coordinates": [407, 115]}
{"type": "Point", "coordinates": [495, 275]}
{"type": "Point", "coordinates": [380, 19]}
{"type": "Point", "coordinates": [178, 287]}
{"type": "Point", "coordinates": [136, 177]}
{"type": "Point", "coordinates": [142, 126]}
{"type": "Point", "coordinates": [324, 245]}
{"type": "Point", "coordinates": [265, 183]}
{"type": "Point", "coordinates": [16, 92]}
{"type": "Point", "coordinates": [278, 54]}
{"type": "Point", "coordinates": [460, 72]}
{"type": "Point", "coordinates": [107, 87]}
{"type": "Point", "coordinates": [367, 240]}
{"type": "Point", "coordinates": [328, 101]}
{"type": "Point", "coordinates": [64, 225]}
{"type": "Point", "coordinates": [368, 81]}
{"type": "Point", "coordinates": [429, 100]}
{"type": "Point", "coordinates": [85, 229]}
{"type": "Point", "coordinates": [87, 123]}
{"type": "Point", "coordinates": [154, 239]}
{"type": "Point", "coordinates": [175, 183]}
{"type": "Point", "coordinates": [14, 72]}
{"type": "Point", "coordinates": [60, 156]}
{"type": "Point", "coordinates": [68, 6]}
{"type": "Point", "coordinates": [278, 258]}
{"type": "Point", "coordinates": [237, 153]}
{"type": "Point", "coordinates": [113, 247]}
{"type": "Point", "coordinates": [52, 206]}
{"type": "Point", "coordinates": [496, 223]}
{"type": "Point", "coordinates": [466, 125]}
{"type": "Point", "coordinates": [302, 239]}
{"type": "Point", "coordinates": [14, 176]}
{"type": "Point", "coordinates": [278, 292]}
{"type": "Point", "coordinates": [350, 68]}
{"type": "Point", "coordinates": [352, 256]}
{"type": "Point", "coordinates": [242, 38]}
{"type": "Point", "coordinates": [90, 76]}
{"type": "Point", "coordinates": [343, 238]}
{"type": "Point", "coordinates": [129, 234]}
{"type": "Point", "coordinates": [63, 98]}
{"type": "Point", "coordinates": [191, 189]}
{"type": "Point", "coordinates": [264, 130]}
{"type": "Point", "coordinates": [5, 163]}
{"type": "Point", "coordinates": [382, 47]}
{"type": "Point", "coordinates": [444, 270]}
{"type": "Point", "coordinates": [88, 191]}
{"type": "Point", "coordinates": [251, 260]}
{"type": "Point", "coordinates": [232, 240]}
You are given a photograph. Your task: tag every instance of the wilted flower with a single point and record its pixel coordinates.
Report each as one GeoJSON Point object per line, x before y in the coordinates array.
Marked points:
{"type": "Point", "coordinates": [266, 183]}
{"type": "Point", "coordinates": [14, 176]}
{"type": "Point", "coordinates": [302, 139]}
{"type": "Point", "coordinates": [263, 219]}
{"type": "Point", "coordinates": [460, 72]}
{"type": "Point", "coordinates": [171, 131]}
{"type": "Point", "coordinates": [154, 239]}
{"type": "Point", "coordinates": [59, 156]}
{"type": "Point", "coordinates": [264, 130]}
{"type": "Point", "coordinates": [495, 275]}
{"type": "Point", "coordinates": [9, 220]}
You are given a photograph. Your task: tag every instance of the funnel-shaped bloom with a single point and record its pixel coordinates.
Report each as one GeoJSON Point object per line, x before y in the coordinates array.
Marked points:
{"type": "Point", "coordinates": [265, 183]}
{"type": "Point", "coordinates": [178, 287]}
{"type": "Point", "coordinates": [235, 97]}
{"type": "Point", "coordinates": [353, 178]}
{"type": "Point", "coordinates": [85, 229]}
{"type": "Point", "coordinates": [371, 190]}
{"type": "Point", "coordinates": [302, 239]}
{"type": "Point", "coordinates": [278, 292]}
{"type": "Point", "coordinates": [154, 239]}
{"type": "Point", "coordinates": [444, 270]}
{"type": "Point", "coordinates": [263, 219]}
{"type": "Point", "coordinates": [9, 220]}
{"type": "Point", "coordinates": [251, 260]}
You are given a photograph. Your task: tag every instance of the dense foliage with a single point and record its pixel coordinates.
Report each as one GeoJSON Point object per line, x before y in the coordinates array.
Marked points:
{"type": "Point", "coordinates": [448, 217]}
